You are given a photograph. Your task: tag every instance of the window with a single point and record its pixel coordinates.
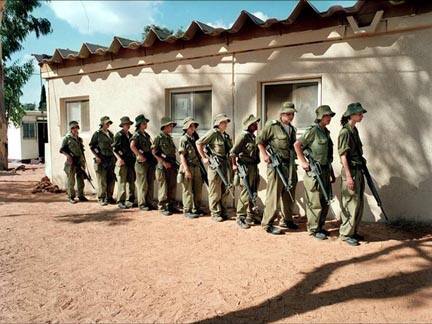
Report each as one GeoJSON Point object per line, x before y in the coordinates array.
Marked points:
{"type": "Point", "coordinates": [304, 94]}
{"type": "Point", "coordinates": [29, 130]}
{"type": "Point", "coordinates": [197, 104]}
{"type": "Point", "coordinates": [78, 111]}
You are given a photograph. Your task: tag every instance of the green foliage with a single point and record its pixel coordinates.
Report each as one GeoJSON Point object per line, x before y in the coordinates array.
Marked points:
{"type": "Point", "coordinates": [17, 24]}
{"type": "Point", "coordinates": [164, 30]}
{"type": "Point", "coordinates": [42, 102]}
{"type": "Point", "coordinates": [15, 78]}
{"type": "Point", "coordinates": [29, 106]}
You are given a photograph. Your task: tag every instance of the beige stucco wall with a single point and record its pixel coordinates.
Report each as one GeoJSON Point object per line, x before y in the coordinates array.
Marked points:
{"type": "Point", "coordinates": [389, 73]}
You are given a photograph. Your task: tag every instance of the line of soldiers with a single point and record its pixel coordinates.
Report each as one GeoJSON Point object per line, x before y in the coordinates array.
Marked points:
{"type": "Point", "coordinates": [135, 162]}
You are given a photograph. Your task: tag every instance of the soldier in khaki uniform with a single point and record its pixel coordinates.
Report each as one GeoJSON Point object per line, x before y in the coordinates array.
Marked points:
{"type": "Point", "coordinates": [145, 163]}
{"type": "Point", "coordinates": [192, 180]}
{"type": "Point", "coordinates": [101, 146]}
{"type": "Point", "coordinates": [124, 170]}
{"type": "Point", "coordinates": [164, 150]}
{"type": "Point", "coordinates": [280, 135]}
{"type": "Point", "coordinates": [317, 139]}
{"type": "Point", "coordinates": [72, 147]}
{"type": "Point", "coordinates": [220, 143]}
{"type": "Point", "coordinates": [245, 152]}
{"type": "Point", "coordinates": [353, 183]}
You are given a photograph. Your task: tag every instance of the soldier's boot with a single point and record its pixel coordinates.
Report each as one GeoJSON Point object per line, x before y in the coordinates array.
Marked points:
{"type": "Point", "coordinates": [358, 237]}
{"type": "Point", "coordinates": [82, 198]}
{"type": "Point", "coordinates": [103, 202]}
{"type": "Point", "coordinates": [320, 236]}
{"type": "Point", "coordinates": [199, 213]}
{"type": "Point", "coordinates": [242, 223]}
{"type": "Point", "coordinates": [218, 218]}
{"type": "Point", "coordinates": [351, 241]}
{"type": "Point", "coordinates": [191, 215]}
{"type": "Point", "coordinates": [129, 204]}
{"type": "Point", "coordinates": [111, 201]}
{"type": "Point", "coordinates": [72, 200]}
{"type": "Point", "coordinates": [166, 212]}
{"type": "Point", "coordinates": [122, 205]}
{"type": "Point", "coordinates": [289, 225]}
{"type": "Point", "coordinates": [272, 230]}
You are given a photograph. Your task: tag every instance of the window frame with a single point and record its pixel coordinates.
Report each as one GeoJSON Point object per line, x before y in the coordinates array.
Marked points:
{"type": "Point", "coordinates": [189, 90]}
{"type": "Point", "coordinates": [34, 137]}
{"type": "Point", "coordinates": [64, 113]}
{"type": "Point", "coordinates": [289, 81]}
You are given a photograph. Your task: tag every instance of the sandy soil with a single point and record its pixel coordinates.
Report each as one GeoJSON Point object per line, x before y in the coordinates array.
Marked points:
{"type": "Point", "coordinates": [69, 263]}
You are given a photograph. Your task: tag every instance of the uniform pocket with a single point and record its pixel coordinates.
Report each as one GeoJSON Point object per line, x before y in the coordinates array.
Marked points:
{"type": "Point", "coordinates": [219, 147]}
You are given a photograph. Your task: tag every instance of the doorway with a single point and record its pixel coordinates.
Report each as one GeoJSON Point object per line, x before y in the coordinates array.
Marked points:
{"type": "Point", "coordinates": [42, 139]}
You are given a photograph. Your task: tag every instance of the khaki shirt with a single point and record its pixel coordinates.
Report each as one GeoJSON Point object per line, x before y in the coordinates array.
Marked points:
{"type": "Point", "coordinates": [274, 134]}
{"type": "Point", "coordinates": [246, 149]}
{"type": "Point", "coordinates": [164, 144]}
{"type": "Point", "coordinates": [188, 149]}
{"type": "Point", "coordinates": [101, 143]}
{"type": "Point", "coordinates": [74, 145]}
{"type": "Point", "coordinates": [220, 143]}
{"type": "Point", "coordinates": [349, 142]}
{"type": "Point", "coordinates": [143, 143]}
{"type": "Point", "coordinates": [121, 146]}
{"type": "Point", "coordinates": [319, 142]}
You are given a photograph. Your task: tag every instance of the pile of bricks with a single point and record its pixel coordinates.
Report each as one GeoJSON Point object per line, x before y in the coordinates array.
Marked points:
{"type": "Point", "coordinates": [45, 185]}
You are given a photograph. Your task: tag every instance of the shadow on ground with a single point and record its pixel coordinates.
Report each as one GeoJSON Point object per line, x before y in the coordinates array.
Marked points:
{"type": "Point", "coordinates": [300, 298]}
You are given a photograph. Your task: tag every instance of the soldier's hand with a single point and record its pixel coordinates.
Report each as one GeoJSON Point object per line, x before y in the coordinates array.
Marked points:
{"type": "Point", "coordinates": [120, 162]}
{"type": "Point", "coordinates": [205, 161]}
{"type": "Point", "coordinates": [166, 165]}
{"type": "Point", "coordinates": [188, 174]}
{"type": "Point", "coordinates": [350, 184]}
{"type": "Point", "coordinates": [305, 165]}
{"type": "Point", "coordinates": [332, 178]}
{"type": "Point", "coordinates": [98, 160]}
{"type": "Point", "coordinates": [141, 158]}
{"type": "Point", "coordinates": [234, 167]}
{"type": "Point", "coordinates": [267, 158]}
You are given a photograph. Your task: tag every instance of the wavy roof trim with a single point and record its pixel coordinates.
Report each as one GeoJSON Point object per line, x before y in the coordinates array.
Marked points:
{"type": "Point", "coordinates": [303, 10]}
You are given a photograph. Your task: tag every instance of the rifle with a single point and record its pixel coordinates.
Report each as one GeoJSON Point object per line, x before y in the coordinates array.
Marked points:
{"type": "Point", "coordinates": [80, 170]}
{"type": "Point", "coordinates": [203, 170]}
{"type": "Point", "coordinates": [276, 164]}
{"type": "Point", "coordinates": [106, 162]}
{"type": "Point", "coordinates": [242, 173]}
{"type": "Point", "coordinates": [216, 164]}
{"type": "Point", "coordinates": [169, 159]}
{"type": "Point", "coordinates": [372, 187]}
{"type": "Point", "coordinates": [316, 171]}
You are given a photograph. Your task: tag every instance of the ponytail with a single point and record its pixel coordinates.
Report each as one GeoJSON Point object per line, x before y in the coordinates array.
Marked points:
{"type": "Point", "coordinates": [344, 120]}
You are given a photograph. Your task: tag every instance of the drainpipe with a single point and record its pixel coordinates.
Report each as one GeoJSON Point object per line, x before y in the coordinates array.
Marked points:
{"type": "Point", "coordinates": [233, 109]}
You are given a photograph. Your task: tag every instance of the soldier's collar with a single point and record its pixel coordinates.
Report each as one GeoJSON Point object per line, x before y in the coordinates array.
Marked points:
{"type": "Point", "coordinates": [166, 135]}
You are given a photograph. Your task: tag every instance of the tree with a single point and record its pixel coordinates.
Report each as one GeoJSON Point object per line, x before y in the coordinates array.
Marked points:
{"type": "Point", "coordinates": [164, 30]}
{"type": "Point", "coordinates": [29, 106]}
{"type": "Point", "coordinates": [16, 23]}
{"type": "Point", "coordinates": [42, 102]}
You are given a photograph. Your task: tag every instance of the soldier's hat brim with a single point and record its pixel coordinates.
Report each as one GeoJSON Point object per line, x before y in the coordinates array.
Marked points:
{"type": "Point", "coordinates": [247, 124]}
{"type": "Point", "coordinates": [189, 123]}
{"type": "Point", "coordinates": [168, 123]}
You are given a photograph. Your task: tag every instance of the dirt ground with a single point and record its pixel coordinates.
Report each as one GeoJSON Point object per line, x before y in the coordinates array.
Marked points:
{"type": "Point", "coordinates": [87, 263]}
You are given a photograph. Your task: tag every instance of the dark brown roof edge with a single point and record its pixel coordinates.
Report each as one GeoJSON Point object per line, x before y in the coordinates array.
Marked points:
{"type": "Point", "coordinates": [156, 36]}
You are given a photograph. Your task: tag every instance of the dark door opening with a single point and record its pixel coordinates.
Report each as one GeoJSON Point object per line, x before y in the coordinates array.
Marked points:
{"type": "Point", "coordinates": [42, 139]}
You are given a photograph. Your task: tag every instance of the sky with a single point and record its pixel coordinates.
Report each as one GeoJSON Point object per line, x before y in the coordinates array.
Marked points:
{"type": "Point", "coordinates": [75, 22]}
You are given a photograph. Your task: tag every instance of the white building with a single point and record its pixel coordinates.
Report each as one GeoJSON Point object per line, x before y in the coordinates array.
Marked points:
{"type": "Point", "coordinates": [27, 142]}
{"type": "Point", "coordinates": [377, 52]}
